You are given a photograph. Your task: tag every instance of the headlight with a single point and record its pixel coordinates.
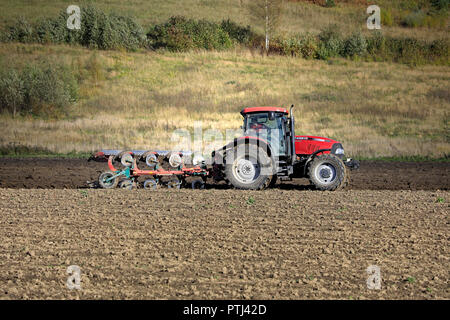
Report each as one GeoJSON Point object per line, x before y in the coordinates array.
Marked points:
{"type": "Point", "coordinates": [339, 151]}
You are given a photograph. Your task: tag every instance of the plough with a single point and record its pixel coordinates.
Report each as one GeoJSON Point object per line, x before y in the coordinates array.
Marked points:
{"type": "Point", "coordinates": [163, 168]}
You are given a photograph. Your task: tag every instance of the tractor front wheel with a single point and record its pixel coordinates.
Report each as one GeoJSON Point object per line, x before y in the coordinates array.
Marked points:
{"type": "Point", "coordinates": [327, 172]}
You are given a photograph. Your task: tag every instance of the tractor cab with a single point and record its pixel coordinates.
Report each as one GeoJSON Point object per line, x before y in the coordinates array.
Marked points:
{"type": "Point", "coordinates": [272, 125]}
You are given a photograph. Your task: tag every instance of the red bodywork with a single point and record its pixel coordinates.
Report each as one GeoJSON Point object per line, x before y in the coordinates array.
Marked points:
{"type": "Point", "coordinates": [310, 144]}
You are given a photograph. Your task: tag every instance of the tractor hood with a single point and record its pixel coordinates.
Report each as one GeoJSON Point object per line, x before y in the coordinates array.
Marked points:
{"type": "Point", "coordinates": [305, 145]}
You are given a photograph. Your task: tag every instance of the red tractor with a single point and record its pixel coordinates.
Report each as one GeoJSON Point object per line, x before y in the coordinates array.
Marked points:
{"type": "Point", "coordinates": [267, 151]}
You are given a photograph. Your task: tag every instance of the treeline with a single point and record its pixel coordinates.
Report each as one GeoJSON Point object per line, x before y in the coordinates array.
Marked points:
{"type": "Point", "coordinates": [102, 30]}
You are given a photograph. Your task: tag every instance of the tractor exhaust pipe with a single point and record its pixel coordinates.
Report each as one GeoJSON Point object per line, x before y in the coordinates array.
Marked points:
{"type": "Point", "coordinates": [293, 155]}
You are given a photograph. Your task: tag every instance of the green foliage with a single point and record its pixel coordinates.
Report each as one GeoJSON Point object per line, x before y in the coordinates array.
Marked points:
{"type": "Point", "coordinates": [98, 30]}
{"type": "Point", "coordinates": [386, 17]}
{"type": "Point", "coordinates": [39, 89]}
{"type": "Point", "coordinates": [21, 31]}
{"type": "Point", "coordinates": [251, 200]}
{"type": "Point", "coordinates": [440, 5]}
{"type": "Point", "coordinates": [109, 31]}
{"type": "Point", "coordinates": [304, 46]}
{"type": "Point", "coordinates": [407, 50]}
{"type": "Point", "coordinates": [331, 43]}
{"type": "Point", "coordinates": [237, 32]}
{"type": "Point", "coordinates": [414, 19]}
{"type": "Point", "coordinates": [182, 34]}
{"type": "Point", "coordinates": [330, 3]}
{"type": "Point", "coordinates": [12, 92]}
{"type": "Point", "coordinates": [355, 45]}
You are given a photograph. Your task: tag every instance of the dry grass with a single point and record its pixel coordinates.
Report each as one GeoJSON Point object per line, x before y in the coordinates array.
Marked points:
{"type": "Point", "coordinates": [297, 16]}
{"type": "Point", "coordinates": [136, 100]}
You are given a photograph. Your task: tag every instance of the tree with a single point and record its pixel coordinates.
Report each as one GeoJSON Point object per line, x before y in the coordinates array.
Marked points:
{"type": "Point", "coordinates": [267, 13]}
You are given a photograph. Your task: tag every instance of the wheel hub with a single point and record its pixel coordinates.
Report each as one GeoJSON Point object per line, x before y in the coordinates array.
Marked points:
{"type": "Point", "coordinates": [326, 173]}
{"type": "Point", "coordinates": [245, 170]}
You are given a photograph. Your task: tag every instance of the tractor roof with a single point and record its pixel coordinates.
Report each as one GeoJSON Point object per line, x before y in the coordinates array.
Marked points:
{"type": "Point", "coordinates": [263, 109]}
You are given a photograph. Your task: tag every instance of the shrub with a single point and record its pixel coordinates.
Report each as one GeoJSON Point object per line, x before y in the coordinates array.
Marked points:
{"type": "Point", "coordinates": [309, 46]}
{"type": "Point", "coordinates": [440, 5]}
{"type": "Point", "coordinates": [305, 46]}
{"type": "Point", "coordinates": [386, 17]}
{"type": "Point", "coordinates": [39, 89]}
{"type": "Point", "coordinates": [21, 31]}
{"type": "Point", "coordinates": [440, 48]}
{"type": "Point", "coordinates": [181, 34]}
{"type": "Point", "coordinates": [355, 45]}
{"type": "Point", "coordinates": [330, 3]}
{"type": "Point", "coordinates": [98, 30]}
{"type": "Point", "coordinates": [376, 42]}
{"type": "Point", "coordinates": [331, 43]}
{"type": "Point", "coordinates": [236, 32]}
{"type": "Point", "coordinates": [12, 93]}
{"type": "Point", "coordinates": [414, 19]}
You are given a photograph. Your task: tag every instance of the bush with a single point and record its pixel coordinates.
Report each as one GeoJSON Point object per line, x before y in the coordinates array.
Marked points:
{"type": "Point", "coordinates": [414, 19]}
{"type": "Point", "coordinates": [386, 17]}
{"type": "Point", "coordinates": [38, 89]}
{"type": "Point", "coordinates": [21, 31]}
{"type": "Point", "coordinates": [355, 45]}
{"type": "Point", "coordinates": [440, 5]}
{"type": "Point", "coordinates": [330, 3]}
{"type": "Point", "coordinates": [376, 44]}
{"type": "Point", "coordinates": [182, 34]}
{"type": "Point", "coordinates": [331, 43]}
{"type": "Point", "coordinates": [109, 31]}
{"type": "Point", "coordinates": [236, 32]}
{"type": "Point", "coordinates": [98, 30]}
{"type": "Point", "coordinates": [12, 92]}
{"type": "Point", "coordinates": [305, 46]}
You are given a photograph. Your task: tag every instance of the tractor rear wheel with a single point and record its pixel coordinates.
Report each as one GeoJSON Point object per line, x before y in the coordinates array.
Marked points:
{"type": "Point", "coordinates": [248, 167]}
{"type": "Point", "coordinates": [327, 172]}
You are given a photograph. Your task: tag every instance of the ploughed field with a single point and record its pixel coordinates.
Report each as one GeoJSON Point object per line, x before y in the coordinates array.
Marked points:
{"type": "Point", "coordinates": [75, 173]}
{"type": "Point", "coordinates": [289, 242]}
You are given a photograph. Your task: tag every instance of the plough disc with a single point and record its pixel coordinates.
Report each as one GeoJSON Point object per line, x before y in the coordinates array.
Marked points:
{"type": "Point", "coordinates": [150, 184]}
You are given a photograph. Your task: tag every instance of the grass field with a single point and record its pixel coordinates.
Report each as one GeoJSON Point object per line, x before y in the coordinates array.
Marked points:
{"type": "Point", "coordinates": [136, 100]}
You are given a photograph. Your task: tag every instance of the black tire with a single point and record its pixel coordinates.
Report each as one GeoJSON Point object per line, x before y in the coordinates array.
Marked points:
{"type": "Point", "coordinates": [126, 184]}
{"type": "Point", "coordinates": [174, 183]}
{"type": "Point", "coordinates": [248, 167]}
{"type": "Point", "coordinates": [273, 181]}
{"type": "Point", "coordinates": [150, 184]}
{"type": "Point", "coordinates": [327, 173]}
{"type": "Point", "coordinates": [107, 184]}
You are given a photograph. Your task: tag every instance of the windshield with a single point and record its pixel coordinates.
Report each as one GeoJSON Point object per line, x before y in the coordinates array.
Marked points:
{"type": "Point", "coordinates": [258, 121]}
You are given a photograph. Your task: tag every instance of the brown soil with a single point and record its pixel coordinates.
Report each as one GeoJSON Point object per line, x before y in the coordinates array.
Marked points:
{"type": "Point", "coordinates": [74, 173]}
{"type": "Point", "coordinates": [223, 244]}
{"type": "Point", "coordinates": [283, 243]}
